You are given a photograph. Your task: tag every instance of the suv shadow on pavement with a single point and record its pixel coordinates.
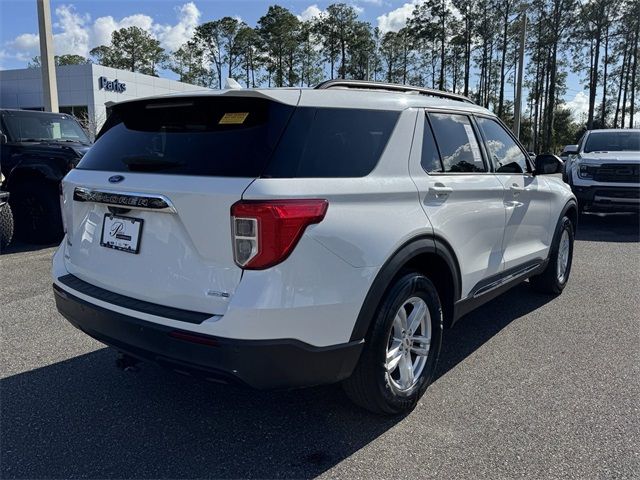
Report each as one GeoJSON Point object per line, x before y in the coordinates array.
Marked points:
{"type": "Point", "coordinates": [476, 328]}
{"type": "Point", "coordinates": [20, 247]}
{"type": "Point", "coordinates": [623, 227]}
{"type": "Point", "coordinates": [84, 418]}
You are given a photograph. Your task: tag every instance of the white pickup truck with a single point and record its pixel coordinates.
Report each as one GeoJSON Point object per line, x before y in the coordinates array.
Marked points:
{"type": "Point", "coordinates": [604, 170]}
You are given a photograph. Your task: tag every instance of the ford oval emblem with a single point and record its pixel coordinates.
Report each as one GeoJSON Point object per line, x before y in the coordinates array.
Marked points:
{"type": "Point", "coordinates": [116, 179]}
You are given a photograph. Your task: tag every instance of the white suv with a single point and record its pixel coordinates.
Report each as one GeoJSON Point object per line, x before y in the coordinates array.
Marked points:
{"type": "Point", "coordinates": [294, 237]}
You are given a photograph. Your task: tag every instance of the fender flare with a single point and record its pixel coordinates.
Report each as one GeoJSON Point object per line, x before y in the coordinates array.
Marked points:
{"type": "Point", "coordinates": [563, 213]}
{"type": "Point", "coordinates": [409, 250]}
{"type": "Point", "coordinates": [40, 171]}
{"type": "Point", "coordinates": [572, 203]}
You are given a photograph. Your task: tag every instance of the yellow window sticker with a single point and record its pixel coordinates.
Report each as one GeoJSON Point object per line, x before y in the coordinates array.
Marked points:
{"type": "Point", "coordinates": [236, 118]}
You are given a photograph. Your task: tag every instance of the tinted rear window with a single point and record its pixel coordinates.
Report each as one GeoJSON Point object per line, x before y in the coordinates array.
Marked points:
{"type": "Point", "coordinates": [240, 137]}
{"type": "Point", "coordinates": [332, 142]}
{"type": "Point", "coordinates": [233, 137]}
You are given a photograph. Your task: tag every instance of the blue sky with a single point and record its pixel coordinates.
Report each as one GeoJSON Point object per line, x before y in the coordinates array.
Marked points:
{"type": "Point", "coordinates": [83, 24]}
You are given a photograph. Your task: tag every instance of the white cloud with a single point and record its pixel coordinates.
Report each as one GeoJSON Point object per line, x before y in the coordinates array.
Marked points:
{"type": "Point", "coordinates": [396, 19]}
{"type": "Point", "coordinates": [172, 36]}
{"type": "Point", "coordinates": [74, 33]}
{"type": "Point", "coordinates": [313, 11]}
{"type": "Point", "coordinates": [579, 106]}
{"type": "Point", "coordinates": [24, 47]}
{"type": "Point", "coordinates": [25, 42]}
{"type": "Point", "coordinates": [74, 38]}
{"type": "Point", "coordinates": [310, 13]}
{"type": "Point", "coordinates": [103, 27]}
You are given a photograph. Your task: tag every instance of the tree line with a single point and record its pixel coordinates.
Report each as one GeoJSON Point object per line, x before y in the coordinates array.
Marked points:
{"type": "Point", "coordinates": [464, 46]}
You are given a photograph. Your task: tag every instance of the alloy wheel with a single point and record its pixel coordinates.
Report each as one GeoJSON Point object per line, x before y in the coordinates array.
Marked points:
{"type": "Point", "coordinates": [563, 256]}
{"type": "Point", "coordinates": [408, 345]}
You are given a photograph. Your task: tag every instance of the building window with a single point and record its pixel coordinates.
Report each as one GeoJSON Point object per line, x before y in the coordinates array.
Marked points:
{"type": "Point", "coordinates": [78, 111]}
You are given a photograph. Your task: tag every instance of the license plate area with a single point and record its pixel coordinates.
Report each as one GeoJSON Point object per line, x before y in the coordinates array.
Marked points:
{"type": "Point", "coordinates": [121, 233]}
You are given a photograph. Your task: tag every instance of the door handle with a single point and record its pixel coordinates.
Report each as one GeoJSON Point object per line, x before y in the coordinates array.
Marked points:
{"type": "Point", "coordinates": [439, 190]}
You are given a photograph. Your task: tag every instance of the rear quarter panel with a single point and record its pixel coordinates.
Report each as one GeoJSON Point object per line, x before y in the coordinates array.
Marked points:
{"type": "Point", "coordinates": [317, 293]}
{"type": "Point", "coordinates": [368, 218]}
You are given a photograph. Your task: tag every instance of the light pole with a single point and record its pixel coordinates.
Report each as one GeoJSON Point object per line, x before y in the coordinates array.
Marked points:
{"type": "Point", "coordinates": [518, 100]}
{"type": "Point", "coordinates": [47, 62]}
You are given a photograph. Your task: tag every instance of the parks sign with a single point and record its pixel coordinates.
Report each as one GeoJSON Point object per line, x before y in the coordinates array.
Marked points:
{"type": "Point", "coordinates": [111, 85]}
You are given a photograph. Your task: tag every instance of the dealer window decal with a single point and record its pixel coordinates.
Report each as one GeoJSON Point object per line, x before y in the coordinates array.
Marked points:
{"type": "Point", "coordinates": [236, 118]}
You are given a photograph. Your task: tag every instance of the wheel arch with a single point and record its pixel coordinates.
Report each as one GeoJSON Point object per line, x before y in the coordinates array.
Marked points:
{"type": "Point", "coordinates": [40, 173]}
{"type": "Point", "coordinates": [571, 210]}
{"type": "Point", "coordinates": [430, 255]}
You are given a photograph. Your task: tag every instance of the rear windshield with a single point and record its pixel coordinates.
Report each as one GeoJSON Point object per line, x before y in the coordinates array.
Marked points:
{"type": "Point", "coordinates": [240, 137]}
{"type": "Point", "coordinates": [613, 142]}
{"type": "Point", "coordinates": [227, 137]}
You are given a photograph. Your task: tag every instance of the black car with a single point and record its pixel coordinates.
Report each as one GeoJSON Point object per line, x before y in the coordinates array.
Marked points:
{"type": "Point", "coordinates": [38, 149]}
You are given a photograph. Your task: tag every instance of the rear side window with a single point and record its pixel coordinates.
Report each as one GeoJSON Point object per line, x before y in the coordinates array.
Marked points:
{"type": "Point", "coordinates": [430, 157]}
{"type": "Point", "coordinates": [211, 136]}
{"type": "Point", "coordinates": [332, 142]}
{"type": "Point", "coordinates": [457, 143]}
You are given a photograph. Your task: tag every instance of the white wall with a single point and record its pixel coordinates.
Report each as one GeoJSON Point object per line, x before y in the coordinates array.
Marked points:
{"type": "Point", "coordinates": [23, 88]}
{"type": "Point", "coordinates": [78, 85]}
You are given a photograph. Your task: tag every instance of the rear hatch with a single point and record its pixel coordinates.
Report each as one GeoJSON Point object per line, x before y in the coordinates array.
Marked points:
{"type": "Point", "coordinates": [147, 210]}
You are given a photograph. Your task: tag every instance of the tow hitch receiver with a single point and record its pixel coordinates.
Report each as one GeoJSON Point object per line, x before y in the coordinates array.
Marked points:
{"type": "Point", "coordinates": [126, 362]}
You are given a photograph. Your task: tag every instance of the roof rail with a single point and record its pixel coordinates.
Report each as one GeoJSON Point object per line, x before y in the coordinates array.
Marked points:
{"type": "Point", "coordinates": [391, 87]}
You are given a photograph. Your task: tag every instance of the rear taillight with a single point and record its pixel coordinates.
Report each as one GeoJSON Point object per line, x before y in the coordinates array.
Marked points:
{"type": "Point", "coordinates": [266, 232]}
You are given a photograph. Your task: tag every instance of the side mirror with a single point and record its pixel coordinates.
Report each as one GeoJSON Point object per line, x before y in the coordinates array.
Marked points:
{"type": "Point", "coordinates": [3, 139]}
{"type": "Point", "coordinates": [548, 164]}
{"type": "Point", "coordinates": [570, 150]}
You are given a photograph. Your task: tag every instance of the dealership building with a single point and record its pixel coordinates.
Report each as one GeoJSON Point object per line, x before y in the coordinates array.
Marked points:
{"type": "Point", "coordinates": [83, 90]}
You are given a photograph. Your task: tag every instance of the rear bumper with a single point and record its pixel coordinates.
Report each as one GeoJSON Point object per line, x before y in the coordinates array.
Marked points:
{"type": "Point", "coordinates": [258, 363]}
{"type": "Point", "coordinates": [608, 199]}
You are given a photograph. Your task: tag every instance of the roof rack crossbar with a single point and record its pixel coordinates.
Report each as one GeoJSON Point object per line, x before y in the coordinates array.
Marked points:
{"type": "Point", "coordinates": [393, 87]}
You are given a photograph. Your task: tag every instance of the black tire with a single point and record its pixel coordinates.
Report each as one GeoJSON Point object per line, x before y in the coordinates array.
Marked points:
{"type": "Point", "coordinates": [36, 210]}
{"type": "Point", "coordinates": [6, 226]}
{"type": "Point", "coordinates": [370, 386]}
{"type": "Point", "coordinates": [549, 281]}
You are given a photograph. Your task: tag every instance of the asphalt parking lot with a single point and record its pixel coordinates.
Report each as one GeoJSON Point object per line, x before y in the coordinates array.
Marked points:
{"type": "Point", "coordinates": [528, 386]}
